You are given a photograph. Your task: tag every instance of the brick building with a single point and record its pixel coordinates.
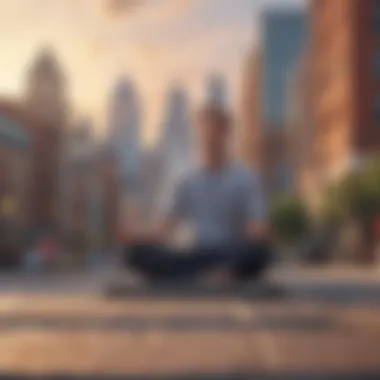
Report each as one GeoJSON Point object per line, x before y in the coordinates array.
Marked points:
{"type": "Point", "coordinates": [261, 144]}
{"type": "Point", "coordinates": [345, 55]}
{"type": "Point", "coordinates": [15, 153]}
{"type": "Point", "coordinates": [45, 104]}
{"type": "Point", "coordinates": [250, 133]}
{"type": "Point", "coordinates": [300, 132]}
{"type": "Point", "coordinates": [92, 196]}
{"type": "Point", "coordinates": [283, 35]}
{"type": "Point", "coordinates": [298, 126]}
{"type": "Point", "coordinates": [80, 184]}
{"type": "Point", "coordinates": [111, 190]}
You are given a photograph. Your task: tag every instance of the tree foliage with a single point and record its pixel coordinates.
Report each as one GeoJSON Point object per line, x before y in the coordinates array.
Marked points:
{"type": "Point", "coordinates": [289, 218]}
{"type": "Point", "coordinates": [357, 196]}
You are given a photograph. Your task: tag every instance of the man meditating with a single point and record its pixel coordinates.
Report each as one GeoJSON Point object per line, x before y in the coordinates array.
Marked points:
{"type": "Point", "coordinates": [222, 202]}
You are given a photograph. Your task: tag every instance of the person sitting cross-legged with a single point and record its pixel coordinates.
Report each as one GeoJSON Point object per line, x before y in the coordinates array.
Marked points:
{"type": "Point", "coordinates": [223, 202]}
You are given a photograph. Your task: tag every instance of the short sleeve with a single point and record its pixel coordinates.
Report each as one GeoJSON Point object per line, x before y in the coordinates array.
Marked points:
{"type": "Point", "coordinates": [255, 199]}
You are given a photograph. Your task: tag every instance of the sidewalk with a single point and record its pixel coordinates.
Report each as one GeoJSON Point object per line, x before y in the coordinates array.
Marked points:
{"type": "Point", "coordinates": [332, 285]}
{"type": "Point", "coordinates": [91, 281]}
{"type": "Point", "coordinates": [328, 274]}
{"type": "Point", "coordinates": [59, 325]}
{"type": "Point", "coordinates": [54, 282]}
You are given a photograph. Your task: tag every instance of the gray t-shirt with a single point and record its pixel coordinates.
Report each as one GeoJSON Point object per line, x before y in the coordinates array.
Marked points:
{"type": "Point", "coordinates": [218, 205]}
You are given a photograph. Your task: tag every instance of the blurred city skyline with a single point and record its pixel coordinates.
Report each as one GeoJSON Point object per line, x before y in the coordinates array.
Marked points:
{"type": "Point", "coordinates": [153, 42]}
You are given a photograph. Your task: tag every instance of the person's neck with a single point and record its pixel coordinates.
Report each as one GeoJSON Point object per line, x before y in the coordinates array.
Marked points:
{"type": "Point", "coordinates": [216, 163]}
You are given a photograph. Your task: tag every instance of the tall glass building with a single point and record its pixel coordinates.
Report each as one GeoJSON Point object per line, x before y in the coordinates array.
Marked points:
{"type": "Point", "coordinates": [125, 130]}
{"type": "Point", "coordinates": [284, 34]}
{"type": "Point", "coordinates": [283, 38]}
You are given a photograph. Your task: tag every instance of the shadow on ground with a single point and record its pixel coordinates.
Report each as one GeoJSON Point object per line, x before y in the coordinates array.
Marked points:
{"type": "Point", "coordinates": [168, 323]}
{"type": "Point", "coordinates": [350, 294]}
{"type": "Point", "coordinates": [204, 376]}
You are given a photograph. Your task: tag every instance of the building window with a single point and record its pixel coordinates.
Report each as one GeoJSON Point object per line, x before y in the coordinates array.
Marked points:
{"type": "Point", "coordinates": [376, 15]}
{"type": "Point", "coordinates": [375, 6]}
{"type": "Point", "coordinates": [376, 64]}
{"type": "Point", "coordinates": [376, 108]}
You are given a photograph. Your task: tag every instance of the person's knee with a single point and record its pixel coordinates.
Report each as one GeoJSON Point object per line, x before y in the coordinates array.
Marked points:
{"type": "Point", "coordinates": [137, 256]}
{"type": "Point", "coordinates": [254, 259]}
{"type": "Point", "coordinates": [267, 253]}
{"type": "Point", "coordinates": [262, 251]}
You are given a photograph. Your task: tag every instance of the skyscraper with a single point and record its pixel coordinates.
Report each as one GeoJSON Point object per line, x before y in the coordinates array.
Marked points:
{"type": "Point", "coordinates": [175, 150]}
{"type": "Point", "coordinates": [176, 144]}
{"type": "Point", "coordinates": [45, 94]}
{"type": "Point", "coordinates": [152, 180]}
{"type": "Point", "coordinates": [45, 103]}
{"type": "Point", "coordinates": [250, 131]}
{"type": "Point", "coordinates": [111, 194]}
{"type": "Point", "coordinates": [125, 130]}
{"type": "Point", "coordinates": [284, 34]}
{"type": "Point", "coordinates": [216, 91]}
{"type": "Point", "coordinates": [79, 177]}
{"type": "Point", "coordinates": [15, 154]}
{"type": "Point", "coordinates": [300, 129]}
{"type": "Point", "coordinates": [346, 73]}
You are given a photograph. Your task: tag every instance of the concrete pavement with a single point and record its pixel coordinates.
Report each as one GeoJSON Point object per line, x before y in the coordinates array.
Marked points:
{"type": "Point", "coordinates": [65, 326]}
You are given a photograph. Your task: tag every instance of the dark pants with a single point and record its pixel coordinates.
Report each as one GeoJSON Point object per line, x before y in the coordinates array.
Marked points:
{"type": "Point", "coordinates": [244, 261]}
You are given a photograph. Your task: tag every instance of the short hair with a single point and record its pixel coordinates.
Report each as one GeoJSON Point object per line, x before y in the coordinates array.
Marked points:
{"type": "Point", "coordinates": [215, 112]}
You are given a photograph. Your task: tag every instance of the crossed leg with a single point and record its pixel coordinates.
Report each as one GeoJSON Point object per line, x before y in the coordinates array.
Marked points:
{"type": "Point", "coordinates": [237, 262]}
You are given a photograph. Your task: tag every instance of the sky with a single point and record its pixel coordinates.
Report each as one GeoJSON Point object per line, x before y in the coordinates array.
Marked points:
{"type": "Point", "coordinates": [154, 42]}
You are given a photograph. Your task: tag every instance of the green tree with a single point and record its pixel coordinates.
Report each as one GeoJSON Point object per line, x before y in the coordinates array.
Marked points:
{"type": "Point", "coordinates": [332, 211]}
{"type": "Point", "coordinates": [289, 219]}
{"type": "Point", "coordinates": [356, 198]}
{"type": "Point", "coordinates": [371, 184]}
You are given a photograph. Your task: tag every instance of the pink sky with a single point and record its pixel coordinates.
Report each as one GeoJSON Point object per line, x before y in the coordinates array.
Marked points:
{"type": "Point", "coordinates": [152, 41]}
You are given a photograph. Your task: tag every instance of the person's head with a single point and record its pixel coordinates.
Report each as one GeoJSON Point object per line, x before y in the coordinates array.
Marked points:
{"type": "Point", "coordinates": [213, 128]}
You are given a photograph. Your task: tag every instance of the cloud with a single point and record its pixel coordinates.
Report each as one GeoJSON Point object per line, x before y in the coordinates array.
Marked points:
{"type": "Point", "coordinates": [121, 7]}
{"type": "Point", "coordinates": [153, 41]}
{"type": "Point", "coordinates": [175, 8]}
{"type": "Point", "coordinates": [147, 10]}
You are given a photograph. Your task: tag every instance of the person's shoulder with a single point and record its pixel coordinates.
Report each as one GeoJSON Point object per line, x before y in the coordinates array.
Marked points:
{"type": "Point", "coordinates": [187, 177]}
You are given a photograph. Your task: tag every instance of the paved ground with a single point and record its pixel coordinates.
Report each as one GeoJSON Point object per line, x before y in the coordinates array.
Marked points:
{"type": "Point", "coordinates": [65, 326]}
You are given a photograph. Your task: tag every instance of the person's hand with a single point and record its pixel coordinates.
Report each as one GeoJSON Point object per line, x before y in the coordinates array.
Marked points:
{"type": "Point", "coordinates": [258, 231]}
{"type": "Point", "coordinates": [157, 233]}
{"type": "Point", "coordinates": [128, 236]}
{"type": "Point", "coordinates": [134, 235]}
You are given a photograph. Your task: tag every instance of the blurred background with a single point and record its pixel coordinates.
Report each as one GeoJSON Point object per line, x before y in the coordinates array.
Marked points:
{"type": "Point", "coordinates": [97, 105]}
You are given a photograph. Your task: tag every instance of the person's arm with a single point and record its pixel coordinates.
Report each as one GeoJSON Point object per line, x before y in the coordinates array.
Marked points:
{"type": "Point", "coordinates": [175, 209]}
{"type": "Point", "coordinates": [162, 231]}
{"type": "Point", "coordinates": [257, 227]}
{"type": "Point", "coordinates": [258, 231]}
